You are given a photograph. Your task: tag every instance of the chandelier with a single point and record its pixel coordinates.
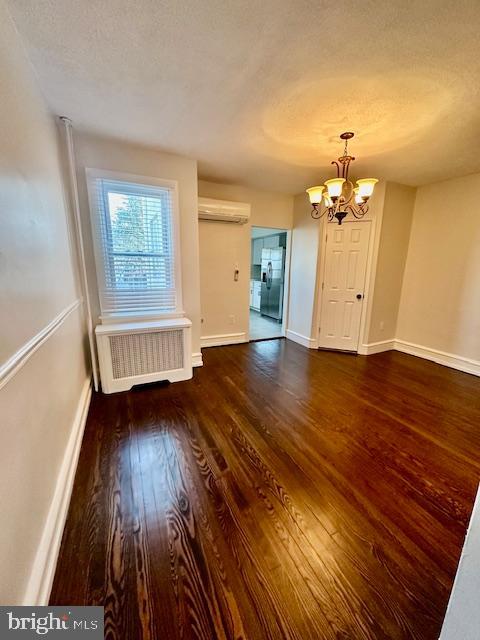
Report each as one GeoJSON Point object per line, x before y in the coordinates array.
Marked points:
{"type": "Point", "coordinates": [338, 195]}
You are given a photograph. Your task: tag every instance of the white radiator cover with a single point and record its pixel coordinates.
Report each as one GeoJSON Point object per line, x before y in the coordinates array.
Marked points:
{"type": "Point", "coordinates": [139, 352]}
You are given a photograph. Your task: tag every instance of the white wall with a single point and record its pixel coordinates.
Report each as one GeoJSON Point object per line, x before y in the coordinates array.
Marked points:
{"type": "Point", "coordinates": [113, 155]}
{"type": "Point", "coordinates": [37, 283]}
{"type": "Point", "coordinates": [304, 267]}
{"type": "Point", "coordinates": [440, 301]}
{"type": "Point", "coordinates": [462, 620]}
{"type": "Point", "coordinates": [392, 254]}
{"type": "Point", "coordinates": [224, 302]}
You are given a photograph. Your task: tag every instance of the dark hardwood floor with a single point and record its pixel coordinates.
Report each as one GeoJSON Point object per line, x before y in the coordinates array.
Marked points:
{"type": "Point", "coordinates": [281, 493]}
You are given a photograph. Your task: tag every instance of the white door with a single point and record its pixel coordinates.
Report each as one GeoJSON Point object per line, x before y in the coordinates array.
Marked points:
{"type": "Point", "coordinates": [346, 253]}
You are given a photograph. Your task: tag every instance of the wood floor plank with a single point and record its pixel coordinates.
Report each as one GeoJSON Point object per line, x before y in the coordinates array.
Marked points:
{"type": "Point", "coordinates": [282, 493]}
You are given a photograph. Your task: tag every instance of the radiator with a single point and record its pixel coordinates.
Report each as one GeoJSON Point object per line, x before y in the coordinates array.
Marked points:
{"type": "Point", "coordinates": [141, 352]}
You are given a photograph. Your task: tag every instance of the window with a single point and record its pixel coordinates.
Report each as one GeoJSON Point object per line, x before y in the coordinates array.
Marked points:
{"type": "Point", "coordinates": [134, 223]}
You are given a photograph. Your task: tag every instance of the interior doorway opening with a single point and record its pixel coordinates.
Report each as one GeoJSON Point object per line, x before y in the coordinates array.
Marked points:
{"type": "Point", "coordinates": [268, 283]}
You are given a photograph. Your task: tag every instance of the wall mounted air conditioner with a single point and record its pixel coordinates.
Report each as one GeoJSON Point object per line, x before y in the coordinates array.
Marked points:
{"type": "Point", "coordinates": [139, 352]}
{"type": "Point", "coordinates": [223, 211]}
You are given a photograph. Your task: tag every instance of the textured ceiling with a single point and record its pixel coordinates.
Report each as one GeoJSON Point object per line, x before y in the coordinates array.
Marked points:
{"type": "Point", "coordinates": [258, 91]}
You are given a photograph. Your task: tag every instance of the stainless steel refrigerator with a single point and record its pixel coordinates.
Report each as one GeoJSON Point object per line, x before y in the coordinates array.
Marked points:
{"type": "Point", "coordinates": [273, 270]}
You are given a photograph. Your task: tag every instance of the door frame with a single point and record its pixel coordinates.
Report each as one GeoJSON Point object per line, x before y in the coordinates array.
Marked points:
{"type": "Point", "coordinates": [286, 283]}
{"type": "Point", "coordinates": [367, 283]}
{"type": "Point", "coordinates": [286, 275]}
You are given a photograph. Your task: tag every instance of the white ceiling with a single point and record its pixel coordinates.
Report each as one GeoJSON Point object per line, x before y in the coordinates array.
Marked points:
{"type": "Point", "coordinates": [258, 91]}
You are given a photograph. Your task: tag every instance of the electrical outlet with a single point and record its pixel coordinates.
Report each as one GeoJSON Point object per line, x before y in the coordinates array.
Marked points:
{"type": "Point", "coordinates": [231, 319]}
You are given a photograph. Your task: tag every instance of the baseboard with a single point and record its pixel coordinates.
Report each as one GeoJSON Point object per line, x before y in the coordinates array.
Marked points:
{"type": "Point", "coordinates": [376, 347]}
{"type": "Point", "coordinates": [310, 343]}
{"type": "Point", "coordinates": [440, 357]}
{"type": "Point", "coordinates": [43, 570]}
{"type": "Point", "coordinates": [223, 339]}
{"type": "Point", "coordinates": [197, 360]}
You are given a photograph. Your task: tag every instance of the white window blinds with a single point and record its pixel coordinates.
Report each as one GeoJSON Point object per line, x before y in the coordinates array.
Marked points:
{"type": "Point", "coordinates": [135, 248]}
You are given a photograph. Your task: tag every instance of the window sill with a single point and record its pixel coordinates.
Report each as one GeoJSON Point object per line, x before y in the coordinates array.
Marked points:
{"type": "Point", "coordinates": [142, 327]}
{"type": "Point", "coordinates": [152, 316]}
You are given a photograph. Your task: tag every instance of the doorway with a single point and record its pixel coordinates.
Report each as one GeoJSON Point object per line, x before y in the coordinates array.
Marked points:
{"type": "Point", "coordinates": [267, 283]}
{"type": "Point", "coordinates": [343, 284]}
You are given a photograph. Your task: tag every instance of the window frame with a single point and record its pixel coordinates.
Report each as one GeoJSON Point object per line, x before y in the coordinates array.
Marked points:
{"type": "Point", "coordinates": [146, 181]}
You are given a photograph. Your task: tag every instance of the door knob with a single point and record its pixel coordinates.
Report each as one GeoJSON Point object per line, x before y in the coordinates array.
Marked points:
{"type": "Point", "coordinates": [359, 296]}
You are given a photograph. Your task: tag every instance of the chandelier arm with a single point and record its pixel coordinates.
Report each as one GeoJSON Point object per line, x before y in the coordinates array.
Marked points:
{"type": "Point", "coordinates": [317, 212]}
{"type": "Point", "coordinates": [348, 200]}
{"type": "Point", "coordinates": [338, 167]}
{"type": "Point", "coordinates": [359, 211]}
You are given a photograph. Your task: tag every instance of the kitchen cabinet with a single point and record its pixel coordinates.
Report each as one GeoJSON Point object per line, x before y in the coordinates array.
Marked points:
{"type": "Point", "coordinates": [271, 242]}
{"type": "Point", "coordinates": [257, 246]}
{"type": "Point", "coordinates": [255, 294]}
{"type": "Point", "coordinates": [268, 242]}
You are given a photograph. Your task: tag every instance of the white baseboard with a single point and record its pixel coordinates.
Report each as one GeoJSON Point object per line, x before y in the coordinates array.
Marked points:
{"type": "Point", "coordinates": [440, 357]}
{"type": "Point", "coordinates": [223, 339]}
{"type": "Point", "coordinates": [376, 347]}
{"type": "Point", "coordinates": [197, 360]}
{"type": "Point", "coordinates": [43, 570]}
{"type": "Point", "coordinates": [310, 343]}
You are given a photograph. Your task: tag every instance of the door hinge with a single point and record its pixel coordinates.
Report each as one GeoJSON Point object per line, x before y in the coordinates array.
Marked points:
{"type": "Point", "coordinates": [323, 285]}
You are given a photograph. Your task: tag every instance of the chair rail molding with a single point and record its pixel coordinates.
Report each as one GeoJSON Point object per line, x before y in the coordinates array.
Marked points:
{"type": "Point", "coordinates": [9, 368]}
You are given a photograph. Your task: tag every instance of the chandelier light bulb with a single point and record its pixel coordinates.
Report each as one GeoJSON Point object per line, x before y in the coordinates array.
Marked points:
{"type": "Point", "coordinates": [358, 198]}
{"type": "Point", "coordinates": [334, 187]}
{"type": "Point", "coordinates": [315, 194]}
{"type": "Point", "coordinates": [366, 186]}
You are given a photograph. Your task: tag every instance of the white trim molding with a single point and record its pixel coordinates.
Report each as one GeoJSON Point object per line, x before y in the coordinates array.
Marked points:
{"type": "Point", "coordinates": [41, 576]}
{"type": "Point", "coordinates": [440, 357]}
{"type": "Point", "coordinates": [310, 343]}
{"type": "Point", "coordinates": [223, 339]}
{"type": "Point", "coordinates": [466, 365]}
{"type": "Point", "coordinates": [9, 368]}
{"type": "Point", "coordinates": [376, 347]}
{"type": "Point", "coordinates": [197, 360]}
